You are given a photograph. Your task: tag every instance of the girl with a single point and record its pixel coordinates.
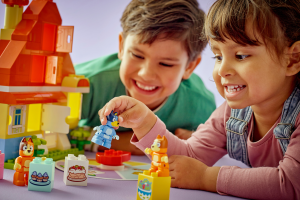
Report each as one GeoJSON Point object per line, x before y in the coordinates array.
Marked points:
{"type": "Point", "coordinates": [257, 50]}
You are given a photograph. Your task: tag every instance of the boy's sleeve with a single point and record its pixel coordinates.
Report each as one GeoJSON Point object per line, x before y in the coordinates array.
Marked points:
{"type": "Point", "coordinates": [207, 144]}
{"type": "Point", "coordinates": [86, 106]}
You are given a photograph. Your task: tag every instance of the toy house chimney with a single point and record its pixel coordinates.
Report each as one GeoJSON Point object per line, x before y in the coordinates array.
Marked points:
{"type": "Point", "coordinates": [12, 17]}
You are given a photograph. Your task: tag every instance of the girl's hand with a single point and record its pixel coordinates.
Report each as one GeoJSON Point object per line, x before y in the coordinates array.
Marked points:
{"type": "Point", "coordinates": [183, 133]}
{"type": "Point", "coordinates": [190, 173]}
{"type": "Point", "coordinates": [132, 114]}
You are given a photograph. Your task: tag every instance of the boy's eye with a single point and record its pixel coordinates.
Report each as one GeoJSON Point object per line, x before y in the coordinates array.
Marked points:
{"type": "Point", "coordinates": [219, 58]}
{"type": "Point", "coordinates": [165, 65]}
{"type": "Point", "coordinates": [137, 56]}
{"type": "Point", "coordinates": [241, 57]}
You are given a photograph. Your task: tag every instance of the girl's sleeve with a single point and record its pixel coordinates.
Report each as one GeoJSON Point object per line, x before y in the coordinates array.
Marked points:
{"type": "Point", "coordinates": [207, 143]}
{"type": "Point", "coordinates": [282, 182]}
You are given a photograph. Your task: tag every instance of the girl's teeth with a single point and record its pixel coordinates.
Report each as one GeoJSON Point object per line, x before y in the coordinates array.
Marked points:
{"type": "Point", "coordinates": [235, 88]}
{"type": "Point", "coordinates": [145, 87]}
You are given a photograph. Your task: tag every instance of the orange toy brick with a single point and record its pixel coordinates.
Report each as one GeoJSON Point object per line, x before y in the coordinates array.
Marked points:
{"type": "Point", "coordinates": [26, 151]}
{"type": "Point", "coordinates": [159, 155]}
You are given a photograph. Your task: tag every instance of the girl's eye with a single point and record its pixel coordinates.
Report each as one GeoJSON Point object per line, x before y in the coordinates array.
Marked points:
{"type": "Point", "coordinates": [137, 56]}
{"type": "Point", "coordinates": [31, 147]}
{"type": "Point", "coordinates": [165, 65]}
{"type": "Point", "coordinates": [218, 58]}
{"type": "Point", "coordinates": [158, 144]}
{"type": "Point", "coordinates": [241, 57]}
{"type": "Point", "coordinates": [114, 119]}
{"type": "Point", "coordinates": [24, 148]}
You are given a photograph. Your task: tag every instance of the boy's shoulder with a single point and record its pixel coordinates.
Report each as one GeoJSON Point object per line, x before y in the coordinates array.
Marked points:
{"type": "Point", "coordinates": [109, 63]}
{"type": "Point", "coordinates": [195, 88]}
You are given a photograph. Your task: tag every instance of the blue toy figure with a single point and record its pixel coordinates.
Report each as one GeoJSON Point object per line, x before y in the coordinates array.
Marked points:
{"type": "Point", "coordinates": [105, 133]}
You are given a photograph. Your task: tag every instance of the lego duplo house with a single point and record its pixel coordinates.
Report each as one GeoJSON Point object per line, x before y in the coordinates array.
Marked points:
{"type": "Point", "coordinates": [39, 91]}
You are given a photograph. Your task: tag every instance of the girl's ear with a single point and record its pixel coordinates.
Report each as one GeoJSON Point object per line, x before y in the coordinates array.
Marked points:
{"type": "Point", "coordinates": [121, 42]}
{"type": "Point", "coordinates": [191, 66]}
{"type": "Point", "coordinates": [294, 59]}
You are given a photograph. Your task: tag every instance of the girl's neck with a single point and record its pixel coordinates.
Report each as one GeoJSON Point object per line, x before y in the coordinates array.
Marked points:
{"type": "Point", "coordinates": [267, 113]}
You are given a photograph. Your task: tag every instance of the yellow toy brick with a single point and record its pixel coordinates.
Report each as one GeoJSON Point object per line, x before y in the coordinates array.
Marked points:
{"type": "Point", "coordinates": [152, 187]}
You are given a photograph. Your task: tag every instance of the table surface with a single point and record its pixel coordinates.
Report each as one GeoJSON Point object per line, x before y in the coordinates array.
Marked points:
{"type": "Point", "coordinates": [102, 188]}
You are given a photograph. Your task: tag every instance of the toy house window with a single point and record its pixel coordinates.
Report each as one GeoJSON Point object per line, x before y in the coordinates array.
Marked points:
{"type": "Point", "coordinates": [18, 117]}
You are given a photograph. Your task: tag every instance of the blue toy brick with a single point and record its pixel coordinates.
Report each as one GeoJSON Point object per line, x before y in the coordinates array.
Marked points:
{"type": "Point", "coordinates": [41, 175]}
{"type": "Point", "coordinates": [10, 147]}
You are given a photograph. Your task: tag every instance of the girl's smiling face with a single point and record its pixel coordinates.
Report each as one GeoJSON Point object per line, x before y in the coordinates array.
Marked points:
{"type": "Point", "coordinates": [249, 75]}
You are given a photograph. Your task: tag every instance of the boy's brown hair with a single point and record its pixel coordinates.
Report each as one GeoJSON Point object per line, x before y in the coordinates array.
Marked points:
{"type": "Point", "coordinates": [170, 19]}
{"type": "Point", "coordinates": [277, 22]}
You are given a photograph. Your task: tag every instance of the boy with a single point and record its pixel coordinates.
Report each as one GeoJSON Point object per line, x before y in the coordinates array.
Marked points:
{"type": "Point", "coordinates": [158, 50]}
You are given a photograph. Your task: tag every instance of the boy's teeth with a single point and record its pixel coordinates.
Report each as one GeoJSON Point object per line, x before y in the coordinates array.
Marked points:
{"type": "Point", "coordinates": [234, 88]}
{"type": "Point", "coordinates": [145, 87]}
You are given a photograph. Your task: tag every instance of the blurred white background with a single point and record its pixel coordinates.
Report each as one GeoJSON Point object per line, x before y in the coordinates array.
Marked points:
{"type": "Point", "coordinates": [97, 25]}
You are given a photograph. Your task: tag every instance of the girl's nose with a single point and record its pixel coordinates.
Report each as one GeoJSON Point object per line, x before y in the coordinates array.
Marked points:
{"type": "Point", "coordinates": [225, 69]}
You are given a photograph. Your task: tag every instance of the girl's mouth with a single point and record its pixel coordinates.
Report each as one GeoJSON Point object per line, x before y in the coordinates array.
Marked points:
{"type": "Point", "coordinates": [234, 88]}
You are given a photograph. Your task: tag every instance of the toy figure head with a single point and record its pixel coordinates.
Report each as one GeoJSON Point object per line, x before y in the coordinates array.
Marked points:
{"type": "Point", "coordinates": [112, 119]}
{"type": "Point", "coordinates": [160, 144]}
{"type": "Point", "coordinates": [159, 47]}
{"type": "Point", "coordinates": [26, 147]}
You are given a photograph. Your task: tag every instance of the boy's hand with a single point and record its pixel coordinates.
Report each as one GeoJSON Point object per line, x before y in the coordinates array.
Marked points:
{"type": "Point", "coordinates": [183, 133]}
{"type": "Point", "coordinates": [190, 173]}
{"type": "Point", "coordinates": [132, 114]}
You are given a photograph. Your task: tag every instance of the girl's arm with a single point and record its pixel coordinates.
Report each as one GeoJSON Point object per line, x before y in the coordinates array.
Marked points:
{"type": "Point", "coordinates": [207, 143]}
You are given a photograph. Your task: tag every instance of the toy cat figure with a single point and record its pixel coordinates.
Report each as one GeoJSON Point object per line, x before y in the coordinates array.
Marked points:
{"type": "Point", "coordinates": [159, 155]}
{"type": "Point", "coordinates": [21, 166]}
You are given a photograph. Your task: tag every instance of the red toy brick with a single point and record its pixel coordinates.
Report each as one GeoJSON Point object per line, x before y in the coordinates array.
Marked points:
{"type": "Point", "coordinates": [16, 2]}
{"type": "Point", "coordinates": [44, 11]}
{"type": "Point", "coordinates": [112, 157]}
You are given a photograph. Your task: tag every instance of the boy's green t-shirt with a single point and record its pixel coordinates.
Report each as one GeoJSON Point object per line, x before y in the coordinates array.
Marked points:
{"type": "Point", "coordinates": [187, 108]}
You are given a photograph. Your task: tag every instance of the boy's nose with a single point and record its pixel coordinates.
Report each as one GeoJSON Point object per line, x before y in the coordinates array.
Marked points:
{"type": "Point", "coordinates": [147, 72]}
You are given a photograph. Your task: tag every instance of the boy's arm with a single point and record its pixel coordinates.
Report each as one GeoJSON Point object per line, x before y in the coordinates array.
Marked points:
{"type": "Point", "coordinates": [123, 144]}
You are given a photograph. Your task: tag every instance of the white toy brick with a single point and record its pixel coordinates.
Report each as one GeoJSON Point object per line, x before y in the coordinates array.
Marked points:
{"type": "Point", "coordinates": [76, 170]}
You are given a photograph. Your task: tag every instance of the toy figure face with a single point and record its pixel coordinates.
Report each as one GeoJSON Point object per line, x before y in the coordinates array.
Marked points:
{"type": "Point", "coordinates": [160, 144]}
{"type": "Point", "coordinates": [153, 72]}
{"type": "Point", "coordinates": [26, 147]}
{"type": "Point", "coordinates": [113, 119]}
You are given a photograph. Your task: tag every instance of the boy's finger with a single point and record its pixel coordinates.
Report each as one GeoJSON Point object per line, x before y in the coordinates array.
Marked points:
{"type": "Point", "coordinates": [102, 116]}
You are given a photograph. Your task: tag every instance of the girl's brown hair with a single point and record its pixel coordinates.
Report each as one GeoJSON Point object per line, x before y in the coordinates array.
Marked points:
{"type": "Point", "coordinates": [277, 22]}
{"type": "Point", "coordinates": [171, 19]}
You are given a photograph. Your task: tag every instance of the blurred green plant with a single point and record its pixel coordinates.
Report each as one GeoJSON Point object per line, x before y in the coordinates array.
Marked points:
{"type": "Point", "coordinates": [79, 137]}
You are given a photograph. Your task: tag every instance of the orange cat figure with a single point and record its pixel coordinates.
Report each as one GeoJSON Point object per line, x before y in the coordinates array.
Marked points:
{"type": "Point", "coordinates": [159, 155]}
{"type": "Point", "coordinates": [21, 166]}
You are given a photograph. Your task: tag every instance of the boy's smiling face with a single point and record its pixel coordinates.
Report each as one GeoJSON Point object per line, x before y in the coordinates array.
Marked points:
{"type": "Point", "coordinates": [153, 72]}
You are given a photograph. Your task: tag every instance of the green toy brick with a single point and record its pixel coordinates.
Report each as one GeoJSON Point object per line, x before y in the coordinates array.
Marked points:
{"type": "Point", "coordinates": [41, 175]}
{"type": "Point", "coordinates": [9, 164]}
